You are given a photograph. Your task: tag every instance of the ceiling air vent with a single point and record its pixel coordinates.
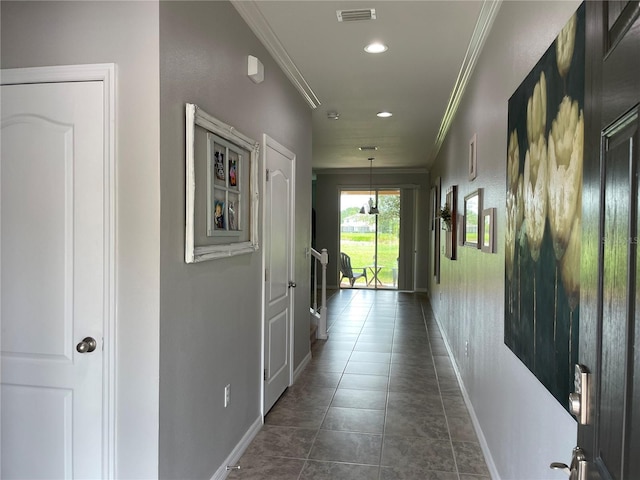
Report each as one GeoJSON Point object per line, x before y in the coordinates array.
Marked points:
{"type": "Point", "coordinates": [356, 15]}
{"type": "Point", "coordinates": [368, 148]}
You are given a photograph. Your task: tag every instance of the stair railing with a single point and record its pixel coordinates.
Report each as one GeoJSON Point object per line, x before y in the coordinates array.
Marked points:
{"type": "Point", "coordinates": [319, 314]}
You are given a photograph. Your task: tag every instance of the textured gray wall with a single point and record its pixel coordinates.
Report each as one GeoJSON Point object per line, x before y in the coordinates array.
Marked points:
{"type": "Point", "coordinates": [125, 33]}
{"type": "Point", "coordinates": [210, 325]}
{"type": "Point", "coordinates": [524, 426]}
{"type": "Point", "coordinates": [328, 218]}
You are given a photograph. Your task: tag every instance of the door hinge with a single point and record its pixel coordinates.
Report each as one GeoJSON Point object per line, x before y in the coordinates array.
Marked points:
{"type": "Point", "coordinates": [266, 275]}
{"type": "Point", "coordinates": [265, 374]}
{"type": "Point", "coordinates": [267, 174]}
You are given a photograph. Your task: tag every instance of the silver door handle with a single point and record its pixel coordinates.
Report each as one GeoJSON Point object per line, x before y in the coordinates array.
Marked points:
{"type": "Point", "coordinates": [87, 345]}
{"type": "Point", "coordinates": [561, 466]}
{"type": "Point", "coordinates": [578, 468]}
{"type": "Point", "coordinates": [292, 284]}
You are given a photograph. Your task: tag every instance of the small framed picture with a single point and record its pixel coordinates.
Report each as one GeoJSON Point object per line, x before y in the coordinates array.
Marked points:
{"type": "Point", "coordinates": [218, 215]}
{"type": "Point", "coordinates": [451, 242]}
{"type": "Point", "coordinates": [226, 187]}
{"type": "Point", "coordinates": [472, 222]}
{"type": "Point", "coordinates": [473, 157]}
{"type": "Point", "coordinates": [218, 155]}
{"type": "Point", "coordinates": [233, 169]}
{"type": "Point", "coordinates": [233, 214]}
{"type": "Point", "coordinates": [488, 230]}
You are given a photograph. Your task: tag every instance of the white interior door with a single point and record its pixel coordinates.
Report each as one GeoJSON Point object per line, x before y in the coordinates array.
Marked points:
{"type": "Point", "coordinates": [52, 279]}
{"type": "Point", "coordinates": [279, 272]}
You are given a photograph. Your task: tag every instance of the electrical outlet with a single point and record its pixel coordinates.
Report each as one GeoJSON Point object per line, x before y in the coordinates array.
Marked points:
{"type": "Point", "coordinates": [227, 395]}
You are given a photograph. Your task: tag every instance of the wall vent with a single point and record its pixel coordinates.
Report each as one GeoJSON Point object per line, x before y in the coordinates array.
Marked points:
{"type": "Point", "coordinates": [356, 15]}
{"type": "Point", "coordinates": [368, 148]}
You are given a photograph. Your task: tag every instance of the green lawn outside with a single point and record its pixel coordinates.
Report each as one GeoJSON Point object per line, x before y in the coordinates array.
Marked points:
{"type": "Point", "coordinates": [360, 247]}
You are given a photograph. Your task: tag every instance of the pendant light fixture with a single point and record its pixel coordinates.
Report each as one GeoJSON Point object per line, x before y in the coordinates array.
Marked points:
{"type": "Point", "coordinates": [373, 209]}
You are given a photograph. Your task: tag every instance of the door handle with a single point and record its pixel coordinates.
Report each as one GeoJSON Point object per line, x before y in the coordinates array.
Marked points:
{"type": "Point", "coordinates": [87, 345]}
{"type": "Point", "coordinates": [578, 468]}
{"type": "Point", "coordinates": [579, 399]}
{"type": "Point", "coordinates": [292, 284]}
{"type": "Point", "coordinates": [561, 466]}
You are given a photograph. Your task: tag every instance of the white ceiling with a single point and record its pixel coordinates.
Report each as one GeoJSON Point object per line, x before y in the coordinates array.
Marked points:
{"type": "Point", "coordinates": [432, 45]}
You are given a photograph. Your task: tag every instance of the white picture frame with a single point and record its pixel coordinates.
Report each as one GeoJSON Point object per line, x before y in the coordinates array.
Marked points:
{"type": "Point", "coordinates": [202, 240]}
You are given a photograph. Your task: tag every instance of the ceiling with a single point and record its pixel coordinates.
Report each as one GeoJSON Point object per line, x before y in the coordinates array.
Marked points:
{"type": "Point", "coordinates": [432, 49]}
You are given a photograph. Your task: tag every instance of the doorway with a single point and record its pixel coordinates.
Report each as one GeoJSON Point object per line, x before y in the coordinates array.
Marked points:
{"type": "Point", "coordinates": [371, 240]}
{"type": "Point", "coordinates": [607, 393]}
{"type": "Point", "coordinates": [279, 268]}
{"type": "Point", "coordinates": [58, 306]}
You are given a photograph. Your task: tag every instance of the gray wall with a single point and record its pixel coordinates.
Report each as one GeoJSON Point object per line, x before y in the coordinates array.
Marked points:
{"type": "Point", "coordinates": [327, 205]}
{"type": "Point", "coordinates": [523, 425]}
{"type": "Point", "coordinates": [210, 313]}
{"type": "Point", "coordinates": [126, 33]}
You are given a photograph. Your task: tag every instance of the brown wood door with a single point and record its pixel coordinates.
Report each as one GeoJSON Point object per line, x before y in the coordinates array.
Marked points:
{"type": "Point", "coordinates": [610, 326]}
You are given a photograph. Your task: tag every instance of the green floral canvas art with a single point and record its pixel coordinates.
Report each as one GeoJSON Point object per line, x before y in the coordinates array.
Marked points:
{"type": "Point", "coordinates": [544, 209]}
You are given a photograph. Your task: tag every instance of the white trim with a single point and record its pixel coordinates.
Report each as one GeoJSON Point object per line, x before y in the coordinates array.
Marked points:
{"type": "Point", "coordinates": [105, 73]}
{"type": "Point", "coordinates": [487, 15]}
{"type": "Point", "coordinates": [364, 170]}
{"type": "Point", "coordinates": [250, 13]}
{"type": "Point", "coordinates": [301, 367]}
{"type": "Point", "coordinates": [239, 449]}
{"type": "Point", "coordinates": [378, 187]}
{"type": "Point", "coordinates": [292, 156]}
{"type": "Point", "coordinates": [414, 243]}
{"type": "Point", "coordinates": [58, 74]}
{"type": "Point", "coordinates": [465, 395]}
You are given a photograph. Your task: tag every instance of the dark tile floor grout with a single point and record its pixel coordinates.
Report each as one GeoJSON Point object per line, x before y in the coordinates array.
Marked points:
{"type": "Point", "coordinates": [378, 401]}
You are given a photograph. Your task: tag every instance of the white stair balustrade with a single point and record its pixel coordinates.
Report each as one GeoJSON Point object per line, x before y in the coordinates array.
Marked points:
{"type": "Point", "coordinates": [319, 314]}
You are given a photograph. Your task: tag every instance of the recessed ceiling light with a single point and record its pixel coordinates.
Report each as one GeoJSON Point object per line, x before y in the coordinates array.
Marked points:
{"type": "Point", "coordinates": [376, 47]}
{"type": "Point", "coordinates": [333, 115]}
{"type": "Point", "coordinates": [384, 114]}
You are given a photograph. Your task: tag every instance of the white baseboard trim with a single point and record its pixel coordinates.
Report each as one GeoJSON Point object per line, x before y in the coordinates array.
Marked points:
{"type": "Point", "coordinates": [476, 424]}
{"type": "Point", "coordinates": [237, 452]}
{"type": "Point", "coordinates": [303, 364]}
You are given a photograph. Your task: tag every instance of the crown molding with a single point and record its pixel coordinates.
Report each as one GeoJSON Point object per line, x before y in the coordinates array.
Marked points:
{"type": "Point", "coordinates": [487, 15]}
{"type": "Point", "coordinates": [365, 171]}
{"type": "Point", "coordinates": [251, 14]}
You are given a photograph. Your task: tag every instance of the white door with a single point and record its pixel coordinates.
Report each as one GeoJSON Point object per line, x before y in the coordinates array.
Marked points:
{"type": "Point", "coordinates": [279, 282]}
{"type": "Point", "coordinates": [52, 293]}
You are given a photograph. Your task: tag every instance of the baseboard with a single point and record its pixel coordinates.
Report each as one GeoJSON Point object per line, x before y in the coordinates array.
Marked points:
{"type": "Point", "coordinates": [421, 290]}
{"type": "Point", "coordinates": [237, 452]}
{"type": "Point", "coordinates": [474, 419]}
{"type": "Point", "coordinates": [303, 364]}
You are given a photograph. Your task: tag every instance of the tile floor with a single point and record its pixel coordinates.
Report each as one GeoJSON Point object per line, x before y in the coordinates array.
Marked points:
{"type": "Point", "coordinates": [379, 401]}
